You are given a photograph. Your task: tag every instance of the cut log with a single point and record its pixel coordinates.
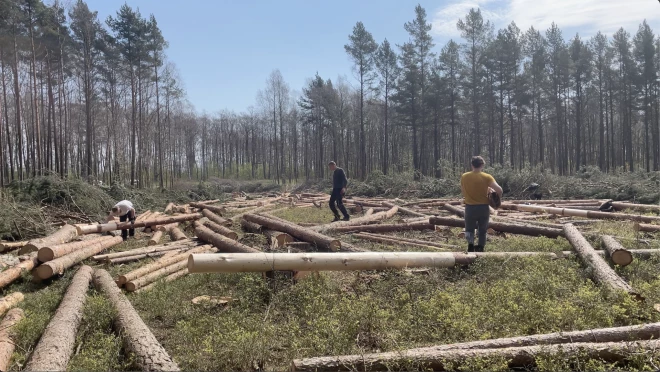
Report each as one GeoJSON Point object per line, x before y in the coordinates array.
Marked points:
{"type": "Point", "coordinates": [321, 241]}
{"type": "Point", "coordinates": [168, 208]}
{"type": "Point", "coordinates": [11, 274]}
{"type": "Point", "coordinates": [451, 359]}
{"type": "Point", "coordinates": [585, 214]}
{"type": "Point", "coordinates": [138, 339]}
{"type": "Point", "coordinates": [405, 211]}
{"type": "Point", "coordinates": [122, 260]}
{"type": "Point", "coordinates": [413, 226]}
{"type": "Point", "coordinates": [58, 265]}
{"type": "Point", "coordinates": [215, 218]}
{"type": "Point", "coordinates": [155, 238]}
{"type": "Point", "coordinates": [367, 219]}
{"type": "Point", "coordinates": [176, 234]}
{"type": "Point", "coordinates": [618, 254]}
{"type": "Point", "coordinates": [217, 210]}
{"type": "Point", "coordinates": [142, 216]}
{"type": "Point", "coordinates": [153, 276]}
{"type": "Point", "coordinates": [166, 279]}
{"type": "Point", "coordinates": [554, 201]}
{"type": "Point", "coordinates": [395, 241]}
{"type": "Point", "coordinates": [91, 229]}
{"type": "Point", "coordinates": [56, 345]}
{"type": "Point", "coordinates": [602, 272]}
{"type": "Point", "coordinates": [217, 228]}
{"type": "Point", "coordinates": [458, 211]}
{"type": "Point", "coordinates": [8, 246]}
{"type": "Point", "coordinates": [646, 228]}
{"type": "Point", "coordinates": [251, 227]}
{"type": "Point", "coordinates": [166, 228]}
{"type": "Point", "coordinates": [223, 243]}
{"type": "Point", "coordinates": [209, 201]}
{"type": "Point", "coordinates": [7, 344]}
{"type": "Point", "coordinates": [303, 246]}
{"type": "Point", "coordinates": [414, 242]}
{"type": "Point", "coordinates": [369, 211]}
{"type": "Point", "coordinates": [502, 227]}
{"type": "Point", "coordinates": [10, 301]}
{"type": "Point", "coordinates": [236, 262]}
{"type": "Point", "coordinates": [619, 206]}
{"type": "Point", "coordinates": [276, 239]}
{"type": "Point", "coordinates": [144, 270]}
{"type": "Point", "coordinates": [158, 248]}
{"type": "Point", "coordinates": [50, 253]}
{"type": "Point", "coordinates": [64, 235]}
{"type": "Point", "coordinates": [237, 218]}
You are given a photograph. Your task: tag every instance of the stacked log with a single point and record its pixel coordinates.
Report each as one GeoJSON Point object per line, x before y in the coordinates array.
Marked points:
{"type": "Point", "coordinates": [646, 228]}
{"type": "Point", "coordinates": [176, 234]}
{"type": "Point", "coordinates": [215, 218]}
{"type": "Point", "coordinates": [134, 252]}
{"type": "Point", "coordinates": [91, 229]}
{"type": "Point", "coordinates": [138, 339]}
{"type": "Point", "coordinates": [221, 242]}
{"type": "Point", "coordinates": [7, 344]}
{"type": "Point", "coordinates": [64, 235]}
{"type": "Point", "coordinates": [321, 241]}
{"type": "Point", "coordinates": [56, 344]}
{"type": "Point", "coordinates": [263, 262]}
{"type": "Point", "coordinates": [123, 260]}
{"type": "Point", "coordinates": [619, 206]}
{"type": "Point", "coordinates": [618, 254]}
{"type": "Point", "coordinates": [602, 272]}
{"type": "Point", "coordinates": [217, 228]}
{"type": "Point", "coordinates": [50, 253]}
{"type": "Point", "coordinates": [168, 208]}
{"type": "Point", "coordinates": [406, 211]}
{"type": "Point", "coordinates": [58, 265]}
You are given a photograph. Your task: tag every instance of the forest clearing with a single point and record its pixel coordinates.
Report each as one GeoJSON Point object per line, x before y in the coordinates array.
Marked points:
{"type": "Point", "coordinates": [339, 296]}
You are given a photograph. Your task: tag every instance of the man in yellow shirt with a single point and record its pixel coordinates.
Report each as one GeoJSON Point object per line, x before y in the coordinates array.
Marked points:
{"type": "Point", "coordinates": [475, 186]}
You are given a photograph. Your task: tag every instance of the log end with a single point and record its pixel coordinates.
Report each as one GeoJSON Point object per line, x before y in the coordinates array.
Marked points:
{"type": "Point", "coordinates": [622, 257]}
{"type": "Point", "coordinates": [43, 272]}
{"type": "Point", "coordinates": [335, 245]}
{"type": "Point", "coordinates": [45, 254]}
{"type": "Point", "coordinates": [27, 249]}
{"type": "Point", "coordinates": [121, 281]}
{"type": "Point", "coordinates": [130, 286]}
{"type": "Point", "coordinates": [232, 236]}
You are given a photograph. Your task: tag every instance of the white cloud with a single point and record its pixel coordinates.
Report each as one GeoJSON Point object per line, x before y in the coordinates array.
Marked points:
{"type": "Point", "coordinates": [587, 16]}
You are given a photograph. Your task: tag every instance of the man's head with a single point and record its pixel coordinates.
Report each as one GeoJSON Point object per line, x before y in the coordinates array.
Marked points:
{"type": "Point", "coordinates": [115, 210]}
{"type": "Point", "coordinates": [332, 165]}
{"type": "Point", "coordinates": [477, 163]}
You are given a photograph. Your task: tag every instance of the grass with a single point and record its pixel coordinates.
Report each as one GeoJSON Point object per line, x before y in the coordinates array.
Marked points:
{"type": "Point", "coordinates": [268, 325]}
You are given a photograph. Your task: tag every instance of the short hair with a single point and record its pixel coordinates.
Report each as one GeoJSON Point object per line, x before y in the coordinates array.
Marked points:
{"type": "Point", "coordinates": [332, 163]}
{"type": "Point", "coordinates": [477, 161]}
{"type": "Point", "coordinates": [115, 209]}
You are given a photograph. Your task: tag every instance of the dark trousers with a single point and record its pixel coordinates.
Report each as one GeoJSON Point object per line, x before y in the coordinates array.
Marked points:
{"type": "Point", "coordinates": [126, 232]}
{"type": "Point", "coordinates": [336, 197]}
{"type": "Point", "coordinates": [477, 217]}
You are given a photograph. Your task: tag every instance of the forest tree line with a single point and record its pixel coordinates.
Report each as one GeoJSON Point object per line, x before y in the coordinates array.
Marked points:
{"type": "Point", "coordinates": [98, 99]}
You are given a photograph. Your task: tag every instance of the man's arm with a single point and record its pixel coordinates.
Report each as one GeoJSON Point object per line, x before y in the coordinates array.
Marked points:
{"type": "Point", "coordinates": [493, 185]}
{"type": "Point", "coordinates": [131, 214]}
{"type": "Point", "coordinates": [344, 180]}
{"type": "Point", "coordinates": [110, 218]}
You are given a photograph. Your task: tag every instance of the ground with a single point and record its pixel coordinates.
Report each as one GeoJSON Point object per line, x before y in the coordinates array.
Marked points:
{"type": "Point", "coordinates": [269, 324]}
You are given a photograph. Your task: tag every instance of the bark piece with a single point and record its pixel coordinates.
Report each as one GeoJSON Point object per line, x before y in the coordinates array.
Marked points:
{"type": "Point", "coordinates": [7, 344]}
{"type": "Point", "coordinates": [56, 345]}
{"type": "Point", "coordinates": [50, 253]}
{"type": "Point", "coordinates": [91, 229]}
{"type": "Point", "coordinates": [602, 272]}
{"type": "Point", "coordinates": [618, 254]}
{"type": "Point", "coordinates": [58, 265]}
{"type": "Point", "coordinates": [149, 353]}
{"type": "Point", "coordinates": [223, 243]}
{"type": "Point", "coordinates": [64, 235]}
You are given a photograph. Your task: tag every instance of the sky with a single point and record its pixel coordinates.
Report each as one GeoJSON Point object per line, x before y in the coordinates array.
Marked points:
{"type": "Point", "coordinates": [225, 49]}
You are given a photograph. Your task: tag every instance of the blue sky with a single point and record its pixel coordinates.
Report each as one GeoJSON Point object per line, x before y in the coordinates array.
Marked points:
{"type": "Point", "coordinates": [225, 49]}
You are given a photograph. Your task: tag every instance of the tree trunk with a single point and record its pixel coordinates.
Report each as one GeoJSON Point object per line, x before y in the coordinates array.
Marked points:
{"type": "Point", "coordinates": [159, 248]}
{"type": "Point", "coordinates": [56, 345]}
{"type": "Point", "coordinates": [619, 206]}
{"type": "Point", "coordinates": [584, 214]}
{"type": "Point", "coordinates": [405, 211]}
{"type": "Point", "coordinates": [618, 254]}
{"type": "Point", "coordinates": [168, 208]}
{"type": "Point", "coordinates": [646, 228]}
{"type": "Point", "coordinates": [236, 262]}
{"type": "Point", "coordinates": [217, 228]}
{"type": "Point", "coordinates": [223, 243]}
{"type": "Point", "coordinates": [201, 206]}
{"type": "Point", "coordinates": [413, 226]}
{"type": "Point", "coordinates": [10, 275]}
{"type": "Point", "coordinates": [144, 270]}
{"type": "Point", "coordinates": [122, 260]}
{"type": "Point", "coordinates": [64, 235]}
{"type": "Point", "coordinates": [155, 238]}
{"type": "Point", "coordinates": [58, 265]}
{"type": "Point", "coordinates": [91, 229]}
{"type": "Point", "coordinates": [10, 301]}
{"type": "Point", "coordinates": [7, 342]}
{"type": "Point", "coordinates": [321, 241]}
{"type": "Point", "coordinates": [602, 272]}
{"type": "Point", "coordinates": [176, 234]}
{"type": "Point", "coordinates": [521, 229]}
{"type": "Point", "coordinates": [404, 241]}
{"type": "Point", "coordinates": [358, 221]}
{"type": "Point", "coordinates": [138, 339]}
{"type": "Point", "coordinates": [46, 254]}
{"type": "Point", "coordinates": [166, 279]}
{"type": "Point", "coordinates": [8, 246]}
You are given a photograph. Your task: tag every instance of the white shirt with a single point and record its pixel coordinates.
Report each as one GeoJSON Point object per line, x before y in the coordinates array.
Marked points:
{"type": "Point", "coordinates": [124, 207]}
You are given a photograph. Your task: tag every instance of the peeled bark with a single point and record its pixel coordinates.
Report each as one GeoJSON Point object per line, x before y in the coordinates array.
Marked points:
{"type": "Point", "coordinates": [585, 214]}
{"type": "Point", "coordinates": [235, 262]}
{"type": "Point", "coordinates": [8, 246]}
{"type": "Point", "coordinates": [177, 235]}
{"type": "Point", "coordinates": [321, 241]}
{"type": "Point", "coordinates": [367, 219]}
{"type": "Point", "coordinates": [223, 243]}
{"type": "Point", "coordinates": [602, 272]}
{"type": "Point", "coordinates": [168, 208]}
{"type": "Point", "coordinates": [144, 270]}
{"type": "Point", "coordinates": [166, 279]}
{"type": "Point", "coordinates": [404, 241]}
{"type": "Point", "coordinates": [50, 253]}
{"type": "Point", "coordinates": [412, 226]}
{"type": "Point", "coordinates": [217, 228]}
{"type": "Point", "coordinates": [502, 227]}
{"type": "Point", "coordinates": [10, 275]}
{"type": "Point", "coordinates": [450, 359]}
{"type": "Point", "coordinates": [155, 238]}
{"type": "Point", "coordinates": [159, 248]}
{"type": "Point", "coordinates": [10, 301]}
{"type": "Point", "coordinates": [7, 344]}
{"type": "Point", "coordinates": [618, 254]}
{"type": "Point", "coordinates": [58, 265]}
{"type": "Point", "coordinates": [64, 235]}
{"type": "Point", "coordinates": [215, 218]}
{"type": "Point", "coordinates": [152, 277]}
{"type": "Point", "coordinates": [138, 339]}
{"type": "Point", "coordinates": [56, 345]}
{"type": "Point", "coordinates": [91, 229]}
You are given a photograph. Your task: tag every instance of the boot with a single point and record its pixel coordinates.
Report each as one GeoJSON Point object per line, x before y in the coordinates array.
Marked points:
{"type": "Point", "coordinates": [479, 248]}
{"type": "Point", "coordinates": [470, 248]}
{"type": "Point", "coordinates": [336, 219]}
{"type": "Point", "coordinates": [346, 218]}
